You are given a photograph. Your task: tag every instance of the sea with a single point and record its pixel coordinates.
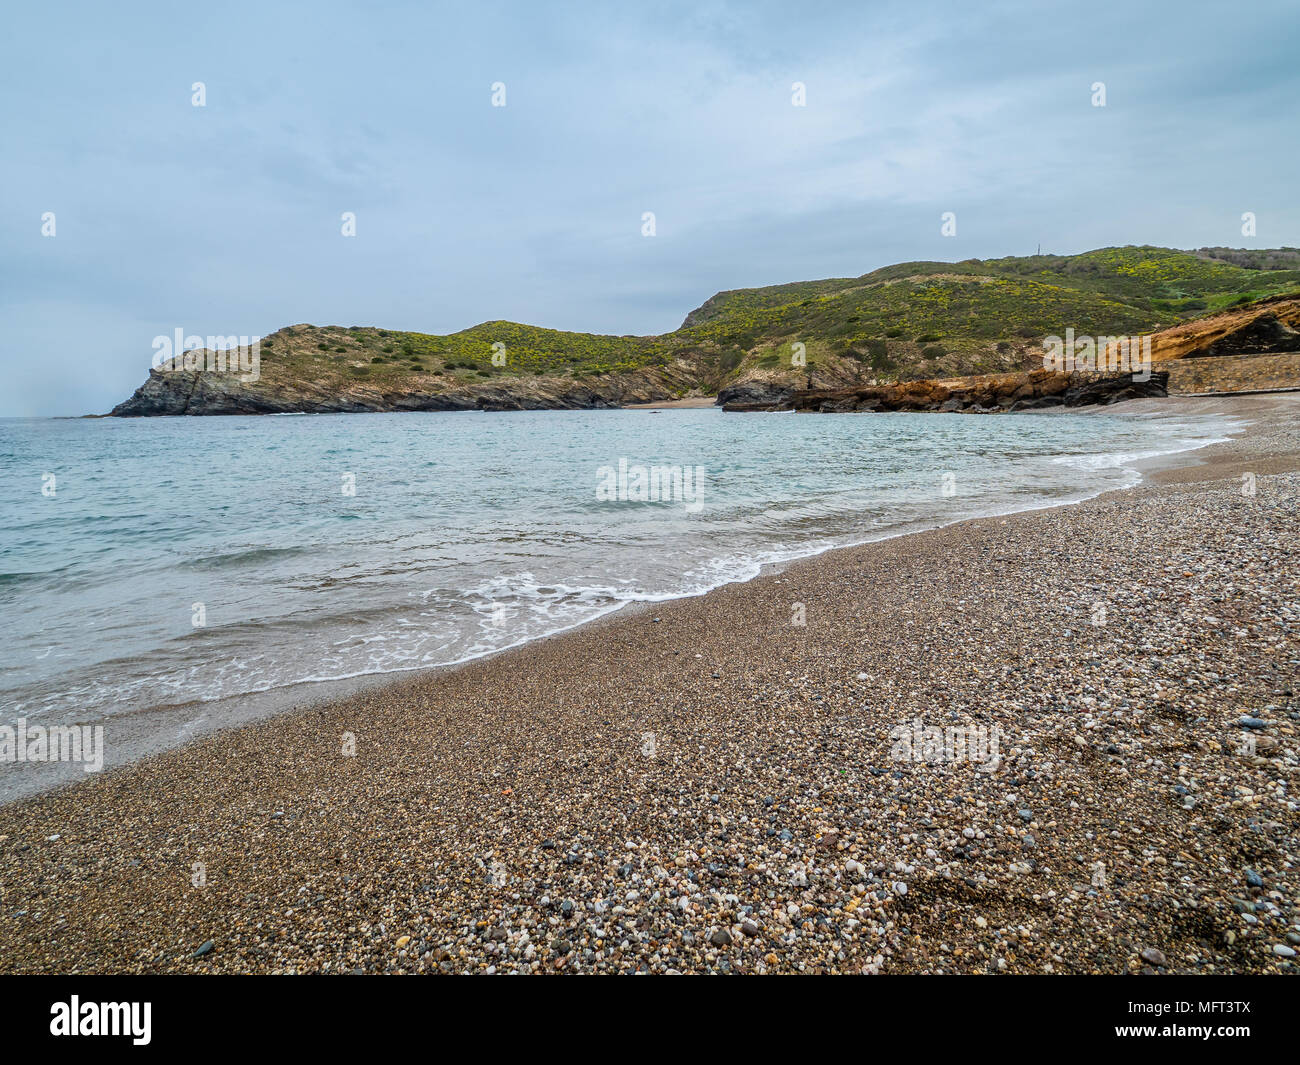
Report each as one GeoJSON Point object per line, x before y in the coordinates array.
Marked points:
{"type": "Point", "coordinates": [164, 561]}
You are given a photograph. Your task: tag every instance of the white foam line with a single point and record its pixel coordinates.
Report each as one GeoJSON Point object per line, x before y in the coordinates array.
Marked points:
{"type": "Point", "coordinates": [795, 555]}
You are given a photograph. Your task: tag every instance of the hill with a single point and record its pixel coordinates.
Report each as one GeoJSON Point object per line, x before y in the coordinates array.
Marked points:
{"type": "Point", "coordinates": [901, 323]}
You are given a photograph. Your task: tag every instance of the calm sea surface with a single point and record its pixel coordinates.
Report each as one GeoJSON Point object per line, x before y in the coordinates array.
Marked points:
{"type": "Point", "coordinates": [175, 559]}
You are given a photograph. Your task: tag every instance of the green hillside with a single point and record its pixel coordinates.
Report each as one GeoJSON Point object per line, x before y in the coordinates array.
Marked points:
{"type": "Point", "coordinates": [923, 318]}
{"type": "Point", "coordinates": [908, 320]}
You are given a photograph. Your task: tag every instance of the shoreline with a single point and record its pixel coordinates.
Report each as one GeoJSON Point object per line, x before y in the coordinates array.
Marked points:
{"type": "Point", "coordinates": [148, 731]}
{"type": "Point", "coordinates": [544, 743]}
{"type": "Point", "coordinates": [144, 732]}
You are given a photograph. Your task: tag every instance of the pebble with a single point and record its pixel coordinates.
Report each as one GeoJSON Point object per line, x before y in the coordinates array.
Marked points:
{"type": "Point", "coordinates": [503, 817]}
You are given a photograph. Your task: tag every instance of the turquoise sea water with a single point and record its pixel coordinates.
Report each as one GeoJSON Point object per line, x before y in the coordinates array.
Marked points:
{"type": "Point", "coordinates": [463, 533]}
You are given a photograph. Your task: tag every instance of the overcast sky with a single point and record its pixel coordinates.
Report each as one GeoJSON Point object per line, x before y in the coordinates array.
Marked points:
{"type": "Point", "coordinates": [225, 219]}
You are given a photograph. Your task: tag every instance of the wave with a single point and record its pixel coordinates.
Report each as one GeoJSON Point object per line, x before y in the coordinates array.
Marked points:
{"type": "Point", "coordinates": [246, 557]}
{"type": "Point", "coordinates": [436, 590]}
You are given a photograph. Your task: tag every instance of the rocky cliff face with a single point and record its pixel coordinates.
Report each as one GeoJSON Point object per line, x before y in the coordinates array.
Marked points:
{"type": "Point", "coordinates": [198, 392]}
{"type": "Point", "coordinates": [768, 387]}
{"type": "Point", "coordinates": [985, 394]}
{"type": "Point", "coordinates": [1268, 326]}
{"type": "Point", "coordinates": [1262, 336]}
{"type": "Point", "coordinates": [300, 372]}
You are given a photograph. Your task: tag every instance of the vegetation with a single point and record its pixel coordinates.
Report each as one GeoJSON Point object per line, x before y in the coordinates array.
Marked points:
{"type": "Point", "coordinates": [988, 314]}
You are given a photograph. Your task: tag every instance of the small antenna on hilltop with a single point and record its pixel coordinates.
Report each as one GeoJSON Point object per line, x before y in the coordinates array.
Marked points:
{"type": "Point", "coordinates": [1039, 251]}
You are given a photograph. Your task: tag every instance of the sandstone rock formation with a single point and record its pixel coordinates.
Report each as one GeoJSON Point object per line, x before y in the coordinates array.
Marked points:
{"type": "Point", "coordinates": [1268, 326]}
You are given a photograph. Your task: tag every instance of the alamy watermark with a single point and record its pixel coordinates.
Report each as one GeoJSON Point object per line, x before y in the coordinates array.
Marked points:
{"type": "Point", "coordinates": [919, 742]}
{"type": "Point", "coordinates": [1104, 353]}
{"type": "Point", "coordinates": [626, 483]}
{"type": "Point", "coordinates": [221, 354]}
{"type": "Point", "coordinates": [77, 1018]}
{"type": "Point", "coordinates": [57, 743]}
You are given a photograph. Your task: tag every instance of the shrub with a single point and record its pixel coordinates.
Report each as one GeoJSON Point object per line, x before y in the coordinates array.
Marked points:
{"type": "Point", "coordinates": [882, 362]}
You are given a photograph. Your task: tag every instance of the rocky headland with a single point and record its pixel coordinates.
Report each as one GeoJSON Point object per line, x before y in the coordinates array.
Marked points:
{"type": "Point", "coordinates": [917, 336]}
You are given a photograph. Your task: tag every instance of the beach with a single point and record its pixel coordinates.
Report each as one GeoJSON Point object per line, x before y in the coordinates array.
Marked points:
{"type": "Point", "coordinates": [708, 784]}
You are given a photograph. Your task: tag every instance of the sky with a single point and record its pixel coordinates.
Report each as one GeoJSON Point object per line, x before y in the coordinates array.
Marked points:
{"type": "Point", "coordinates": [227, 219]}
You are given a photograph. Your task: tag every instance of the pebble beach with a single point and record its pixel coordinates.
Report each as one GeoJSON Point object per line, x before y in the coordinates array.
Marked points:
{"type": "Point", "coordinates": [738, 783]}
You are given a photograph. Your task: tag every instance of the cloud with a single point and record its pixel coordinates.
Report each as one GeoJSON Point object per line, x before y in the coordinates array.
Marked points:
{"type": "Point", "coordinates": [225, 219]}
